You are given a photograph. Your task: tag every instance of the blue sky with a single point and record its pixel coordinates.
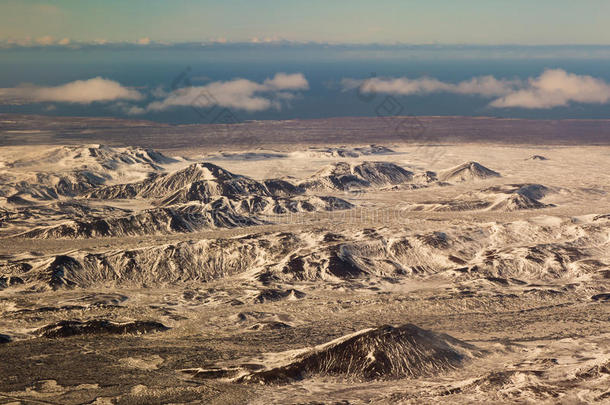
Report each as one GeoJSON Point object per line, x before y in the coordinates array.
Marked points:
{"type": "Point", "coordinates": [518, 58]}
{"type": "Point", "coordinates": [336, 21]}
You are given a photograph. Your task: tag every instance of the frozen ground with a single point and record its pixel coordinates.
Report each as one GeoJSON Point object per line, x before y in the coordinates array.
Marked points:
{"type": "Point", "coordinates": [268, 275]}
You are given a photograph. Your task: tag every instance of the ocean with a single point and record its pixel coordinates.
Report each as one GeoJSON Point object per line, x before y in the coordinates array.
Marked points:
{"type": "Point", "coordinates": [161, 68]}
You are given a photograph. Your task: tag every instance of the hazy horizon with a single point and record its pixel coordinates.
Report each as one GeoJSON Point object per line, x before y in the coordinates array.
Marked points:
{"type": "Point", "coordinates": [356, 21]}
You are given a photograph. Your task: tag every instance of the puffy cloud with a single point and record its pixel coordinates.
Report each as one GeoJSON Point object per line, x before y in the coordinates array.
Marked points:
{"type": "Point", "coordinates": [79, 91]}
{"type": "Point", "coordinates": [144, 41]}
{"type": "Point", "coordinates": [240, 94]}
{"type": "Point", "coordinates": [401, 86]}
{"type": "Point", "coordinates": [283, 81]}
{"type": "Point", "coordinates": [484, 86]}
{"type": "Point", "coordinates": [555, 88]}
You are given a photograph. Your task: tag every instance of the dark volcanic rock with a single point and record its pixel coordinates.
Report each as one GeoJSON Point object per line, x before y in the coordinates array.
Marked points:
{"type": "Point", "coordinates": [345, 176]}
{"type": "Point", "coordinates": [597, 371]}
{"type": "Point", "coordinates": [386, 352]}
{"type": "Point", "coordinates": [201, 260]}
{"type": "Point", "coordinates": [270, 325]}
{"type": "Point", "coordinates": [530, 190]}
{"type": "Point", "coordinates": [10, 281]}
{"type": "Point", "coordinates": [382, 173]}
{"type": "Point", "coordinates": [277, 295]}
{"type": "Point", "coordinates": [343, 268]}
{"type": "Point", "coordinates": [199, 196]}
{"type": "Point", "coordinates": [197, 182]}
{"type": "Point", "coordinates": [59, 271]}
{"type": "Point", "coordinates": [282, 188]}
{"type": "Point", "coordinates": [181, 218]}
{"type": "Point", "coordinates": [467, 171]}
{"type": "Point", "coordinates": [601, 217]}
{"type": "Point", "coordinates": [516, 202]}
{"type": "Point", "coordinates": [97, 327]}
{"type": "Point", "coordinates": [438, 240]}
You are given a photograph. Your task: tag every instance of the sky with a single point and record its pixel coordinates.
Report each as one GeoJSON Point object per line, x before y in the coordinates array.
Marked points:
{"type": "Point", "coordinates": [523, 22]}
{"type": "Point", "coordinates": [186, 60]}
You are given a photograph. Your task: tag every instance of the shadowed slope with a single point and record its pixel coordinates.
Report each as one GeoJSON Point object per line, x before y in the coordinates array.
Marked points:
{"type": "Point", "coordinates": [466, 172]}
{"type": "Point", "coordinates": [386, 352]}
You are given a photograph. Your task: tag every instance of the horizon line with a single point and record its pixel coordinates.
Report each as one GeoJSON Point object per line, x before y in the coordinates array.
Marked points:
{"type": "Point", "coordinates": [9, 43]}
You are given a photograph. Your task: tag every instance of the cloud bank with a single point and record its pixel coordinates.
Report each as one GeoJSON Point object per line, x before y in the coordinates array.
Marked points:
{"type": "Point", "coordinates": [79, 91]}
{"type": "Point", "coordinates": [241, 94]}
{"type": "Point", "coordinates": [553, 88]}
{"type": "Point", "coordinates": [484, 86]}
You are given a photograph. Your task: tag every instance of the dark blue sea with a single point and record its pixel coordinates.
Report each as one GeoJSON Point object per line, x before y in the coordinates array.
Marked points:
{"type": "Point", "coordinates": [164, 67]}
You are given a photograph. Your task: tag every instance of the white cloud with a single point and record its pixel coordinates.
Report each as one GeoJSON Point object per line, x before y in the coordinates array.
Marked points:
{"type": "Point", "coordinates": [283, 81]}
{"type": "Point", "coordinates": [240, 94]}
{"type": "Point", "coordinates": [134, 110]}
{"type": "Point", "coordinates": [79, 91]}
{"type": "Point", "coordinates": [159, 92]}
{"type": "Point", "coordinates": [484, 86]}
{"type": "Point", "coordinates": [553, 88]}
